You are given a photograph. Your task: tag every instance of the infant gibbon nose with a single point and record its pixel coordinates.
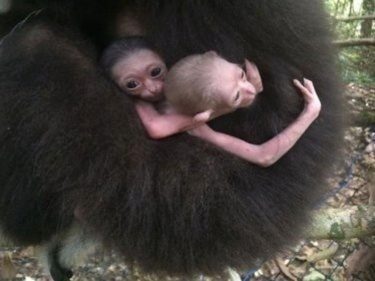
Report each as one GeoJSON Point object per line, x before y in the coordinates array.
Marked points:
{"type": "Point", "coordinates": [155, 87]}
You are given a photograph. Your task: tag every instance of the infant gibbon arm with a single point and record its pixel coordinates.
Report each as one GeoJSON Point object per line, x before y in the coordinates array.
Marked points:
{"type": "Point", "coordinates": [163, 125]}
{"type": "Point", "coordinates": [271, 151]}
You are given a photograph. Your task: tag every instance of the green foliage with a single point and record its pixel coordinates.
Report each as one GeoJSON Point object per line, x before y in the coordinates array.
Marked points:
{"type": "Point", "coordinates": [357, 63]}
{"type": "Point", "coordinates": [366, 118]}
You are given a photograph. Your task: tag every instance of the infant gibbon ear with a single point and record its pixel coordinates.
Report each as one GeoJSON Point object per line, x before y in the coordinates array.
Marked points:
{"type": "Point", "coordinates": [203, 116]}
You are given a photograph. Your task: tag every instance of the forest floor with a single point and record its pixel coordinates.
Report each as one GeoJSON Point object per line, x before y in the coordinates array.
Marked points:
{"type": "Point", "coordinates": [352, 184]}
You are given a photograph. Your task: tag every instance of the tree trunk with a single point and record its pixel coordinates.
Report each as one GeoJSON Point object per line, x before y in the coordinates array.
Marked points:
{"type": "Point", "coordinates": [368, 7]}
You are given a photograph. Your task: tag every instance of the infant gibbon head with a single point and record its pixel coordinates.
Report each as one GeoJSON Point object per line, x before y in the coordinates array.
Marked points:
{"type": "Point", "coordinates": [206, 85]}
{"type": "Point", "coordinates": [135, 67]}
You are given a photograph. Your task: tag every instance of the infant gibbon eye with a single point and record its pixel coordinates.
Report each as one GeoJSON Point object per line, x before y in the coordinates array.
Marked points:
{"type": "Point", "coordinates": [243, 75]}
{"type": "Point", "coordinates": [132, 84]}
{"type": "Point", "coordinates": [156, 72]}
{"type": "Point", "coordinates": [237, 96]}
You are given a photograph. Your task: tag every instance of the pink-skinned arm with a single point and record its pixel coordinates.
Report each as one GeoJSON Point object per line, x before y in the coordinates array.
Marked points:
{"type": "Point", "coordinates": [271, 151]}
{"type": "Point", "coordinates": [159, 125]}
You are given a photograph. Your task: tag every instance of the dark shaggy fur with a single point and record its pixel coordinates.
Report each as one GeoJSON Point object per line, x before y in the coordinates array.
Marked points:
{"type": "Point", "coordinates": [69, 138]}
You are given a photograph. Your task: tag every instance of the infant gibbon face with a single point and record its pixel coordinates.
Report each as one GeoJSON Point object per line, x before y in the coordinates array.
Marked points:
{"type": "Point", "coordinates": [233, 87]}
{"type": "Point", "coordinates": [141, 74]}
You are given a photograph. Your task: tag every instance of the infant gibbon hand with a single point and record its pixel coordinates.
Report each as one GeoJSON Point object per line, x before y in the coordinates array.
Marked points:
{"type": "Point", "coordinates": [271, 151]}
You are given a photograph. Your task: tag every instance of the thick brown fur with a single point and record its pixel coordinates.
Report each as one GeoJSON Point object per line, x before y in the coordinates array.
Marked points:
{"type": "Point", "coordinates": [69, 138]}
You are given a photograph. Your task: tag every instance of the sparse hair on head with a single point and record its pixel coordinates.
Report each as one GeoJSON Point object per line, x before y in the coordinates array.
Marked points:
{"type": "Point", "coordinates": [189, 84]}
{"type": "Point", "coordinates": [121, 49]}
